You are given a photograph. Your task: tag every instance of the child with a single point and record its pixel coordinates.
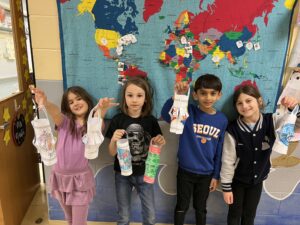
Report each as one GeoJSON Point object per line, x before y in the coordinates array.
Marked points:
{"type": "Point", "coordinates": [72, 181]}
{"type": "Point", "coordinates": [140, 127]}
{"type": "Point", "coordinates": [246, 154]}
{"type": "Point", "coordinates": [200, 147]}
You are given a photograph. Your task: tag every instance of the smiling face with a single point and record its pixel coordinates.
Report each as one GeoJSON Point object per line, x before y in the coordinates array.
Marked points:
{"type": "Point", "coordinates": [135, 99]}
{"type": "Point", "coordinates": [206, 98]}
{"type": "Point", "coordinates": [248, 107]}
{"type": "Point", "coordinates": [77, 105]}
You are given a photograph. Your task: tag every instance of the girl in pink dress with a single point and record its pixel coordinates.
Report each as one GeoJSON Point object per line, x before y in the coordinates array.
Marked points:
{"type": "Point", "coordinates": [72, 181]}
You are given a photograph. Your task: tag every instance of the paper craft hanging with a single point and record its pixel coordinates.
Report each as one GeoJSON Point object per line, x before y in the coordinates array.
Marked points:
{"type": "Point", "coordinates": [286, 129]}
{"type": "Point", "coordinates": [292, 87]}
{"type": "Point", "coordinates": [179, 112]}
{"type": "Point", "coordinates": [44, 139]}
{"type": "Point", "coordinates": [93, 138]}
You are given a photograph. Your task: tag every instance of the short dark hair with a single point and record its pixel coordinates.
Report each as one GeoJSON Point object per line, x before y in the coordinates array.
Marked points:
{"type": "Point", "coordinates": [65, 107]}
{"type": "Point", "coordinates": [143, 84]}
{"type": "Point", "coordinates": [209, 81]}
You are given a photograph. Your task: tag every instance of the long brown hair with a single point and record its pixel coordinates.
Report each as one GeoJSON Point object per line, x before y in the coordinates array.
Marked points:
{"type": "Point", "coordinates": [65, 107]}
{"type": "Point", "coordinates": [143, 84]}
{"type": "Point", "coordinates": [248, 90]}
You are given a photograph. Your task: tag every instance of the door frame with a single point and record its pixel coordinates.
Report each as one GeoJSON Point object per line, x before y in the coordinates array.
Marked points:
{"type": "Point", "coordinates": [19, 165]}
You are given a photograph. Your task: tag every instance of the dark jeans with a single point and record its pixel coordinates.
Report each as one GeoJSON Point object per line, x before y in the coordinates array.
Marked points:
{"type": "Point", "coordinates": [245, 201]}
{"type": "Point", "coordinates": [189, 184]}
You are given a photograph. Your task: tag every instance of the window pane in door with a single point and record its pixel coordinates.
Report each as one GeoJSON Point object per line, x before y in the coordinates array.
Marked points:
{"type": "Point", "coordinates": [9, 82]}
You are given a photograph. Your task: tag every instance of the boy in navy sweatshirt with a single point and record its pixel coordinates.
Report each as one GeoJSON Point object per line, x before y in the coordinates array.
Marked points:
{"type": "Point", "coordinates": [200, 147]}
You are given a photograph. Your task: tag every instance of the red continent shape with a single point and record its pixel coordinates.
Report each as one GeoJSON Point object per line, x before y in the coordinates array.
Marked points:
{"type": "Point", "coordinates": [231, 15]}
{"type": "Point", "coordinates": [151, 7]}
{"type": "Point", "coordinates": [133, 71]}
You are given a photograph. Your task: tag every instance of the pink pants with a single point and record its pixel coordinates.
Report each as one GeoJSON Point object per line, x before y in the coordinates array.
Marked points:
{"type": "Point", "coordinates": [75, 214]}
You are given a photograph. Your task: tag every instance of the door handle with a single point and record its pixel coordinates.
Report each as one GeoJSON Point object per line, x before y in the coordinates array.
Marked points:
{"type": "Point", "coordinates": [4, 126]}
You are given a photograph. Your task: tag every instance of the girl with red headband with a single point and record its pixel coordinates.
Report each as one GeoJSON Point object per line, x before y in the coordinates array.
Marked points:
{"type": "Point", "coordinates": [246, 153]}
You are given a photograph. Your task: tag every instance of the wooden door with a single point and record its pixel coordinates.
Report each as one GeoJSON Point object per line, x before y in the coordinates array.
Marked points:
{"type": "Point", "coordinates": [19, 173]}
{"type": "Point", "coordinates": [1, 215]}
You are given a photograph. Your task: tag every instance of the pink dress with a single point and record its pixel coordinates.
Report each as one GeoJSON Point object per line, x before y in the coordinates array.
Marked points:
{"type": "Point", "coordinates": [72, 181]}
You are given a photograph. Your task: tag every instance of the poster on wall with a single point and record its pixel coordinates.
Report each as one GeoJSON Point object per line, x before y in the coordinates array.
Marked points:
{"type": "Point", "coordinates": [18, 129]}
{"type": "Point", "coordinates": [166, 41]}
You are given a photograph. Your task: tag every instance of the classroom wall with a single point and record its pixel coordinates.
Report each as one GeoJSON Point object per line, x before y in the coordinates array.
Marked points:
{"type": "Point", "coordinates": [278, 206]}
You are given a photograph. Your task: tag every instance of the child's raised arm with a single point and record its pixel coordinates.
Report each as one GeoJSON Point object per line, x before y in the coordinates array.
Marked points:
{"type": "Point", "coordinates": [52, 109]}
{"type": "Point", "coordinates": [181, 88]}
{"type": "Point", "coordinates": [105, 104]}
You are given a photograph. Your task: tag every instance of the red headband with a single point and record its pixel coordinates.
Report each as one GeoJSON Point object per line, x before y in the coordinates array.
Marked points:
{"type": "Point", "coordinates": [246, 83]}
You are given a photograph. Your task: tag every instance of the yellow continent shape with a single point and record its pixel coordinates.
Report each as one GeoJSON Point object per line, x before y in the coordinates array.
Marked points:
{"type": "Point", "coordinates": [219, 53]}
{"type": "Point", "coordinates": [86, 6]}
{"type": "Point", "coordinates": [186, 18]}
{"type": "Point", "coordinates": [162, 56]}
{"type": "Point", "coordinates": [289, 4]}
{"type": "Point", "coordinates": [107, 38]}
{"type": "Point", "coordinates": [180, 51]}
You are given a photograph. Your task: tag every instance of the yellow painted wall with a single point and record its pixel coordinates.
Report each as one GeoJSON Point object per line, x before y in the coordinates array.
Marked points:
{"type": "Point", "coordinates": [43, 18]}
{"type": "Point", "coordinates": [294, 30]}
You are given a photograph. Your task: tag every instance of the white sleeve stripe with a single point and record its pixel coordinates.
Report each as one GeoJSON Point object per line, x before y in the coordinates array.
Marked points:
{"type": "Point", "coordinates": [228, 159]}
{"type": "Point", "coordinates": [227, 189]}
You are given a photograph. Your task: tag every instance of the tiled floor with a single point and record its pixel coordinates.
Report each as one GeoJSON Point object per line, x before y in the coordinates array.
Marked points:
{"type": "Point", "coordinates": [37, 213]}
{"type": "Point", "coordinates": [38, 209]}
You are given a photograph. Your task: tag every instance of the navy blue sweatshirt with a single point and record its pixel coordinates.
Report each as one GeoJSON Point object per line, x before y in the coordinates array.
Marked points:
{"type": "Point", "coordinates": [201, 143]}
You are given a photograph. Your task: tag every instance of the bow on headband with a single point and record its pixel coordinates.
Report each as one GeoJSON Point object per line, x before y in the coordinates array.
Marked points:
{"type": "Point", "coordinates": [246, 83]}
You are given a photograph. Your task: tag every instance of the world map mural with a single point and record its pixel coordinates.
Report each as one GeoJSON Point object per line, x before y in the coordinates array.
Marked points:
{"type": "Point", "coordinates": [105, 41]}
